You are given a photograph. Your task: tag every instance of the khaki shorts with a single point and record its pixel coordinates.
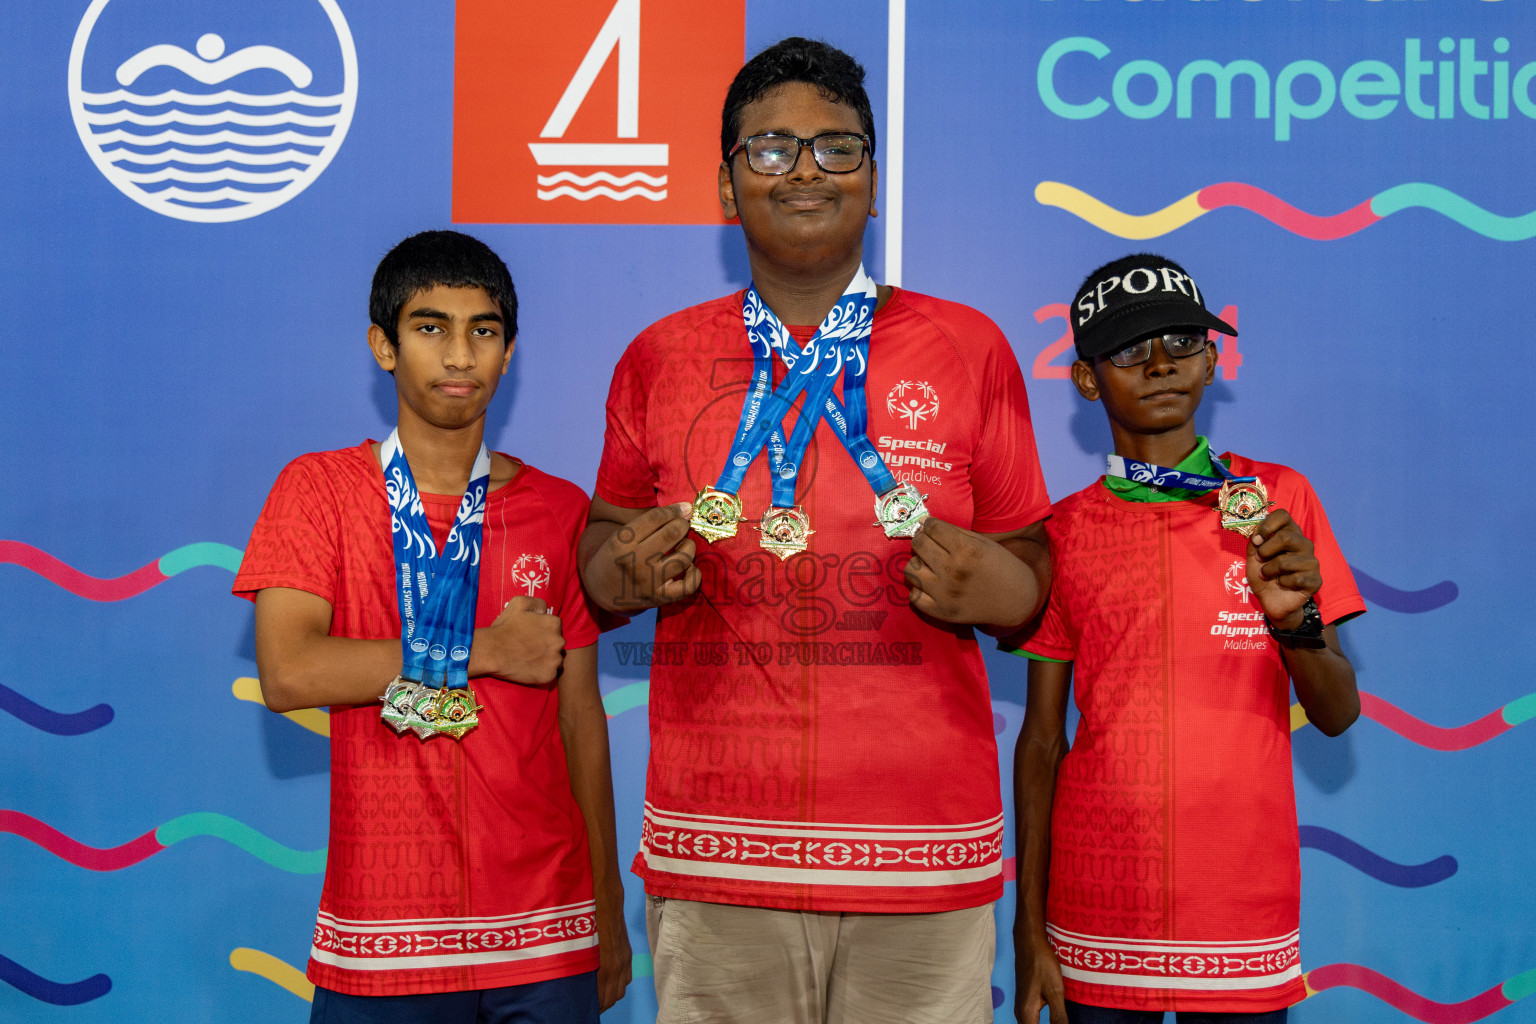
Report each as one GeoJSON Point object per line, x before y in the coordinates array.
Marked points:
{"type": "Point", "coordinates": [717, 963]}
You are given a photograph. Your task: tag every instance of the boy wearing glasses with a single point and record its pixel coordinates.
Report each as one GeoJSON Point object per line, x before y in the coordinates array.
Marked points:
{"type": "Point", "coordinates": [1158, 861]}
{"type": "Point", "coordinates": [823, 824]}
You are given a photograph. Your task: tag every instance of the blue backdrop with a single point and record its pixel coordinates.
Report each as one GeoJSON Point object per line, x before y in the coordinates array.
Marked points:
{"type": "Point", "coordinates": [187, 248]}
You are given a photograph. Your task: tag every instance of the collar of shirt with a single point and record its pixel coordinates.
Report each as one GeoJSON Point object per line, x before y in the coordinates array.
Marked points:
{"type": "Point", "coordinates": [1197, 461]}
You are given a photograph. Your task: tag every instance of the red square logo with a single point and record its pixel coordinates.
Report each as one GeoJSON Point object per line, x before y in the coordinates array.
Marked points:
{"type": "Point", "coordinates": [591, 111]}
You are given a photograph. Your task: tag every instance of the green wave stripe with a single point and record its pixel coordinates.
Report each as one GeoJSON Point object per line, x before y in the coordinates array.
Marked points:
{"type": "Point", "coordinates": [1520, 986]}
{"type": "Point", "coordinates": [616, 702]}
{"type": "Point", "coordinates": [1522, 710]}
{"type": "Point", "coordinates": [237, 833]}
{"type": "Point", "coordinates": [205, 552]}
{"type": "Point", "coordinates": [1463, 211]}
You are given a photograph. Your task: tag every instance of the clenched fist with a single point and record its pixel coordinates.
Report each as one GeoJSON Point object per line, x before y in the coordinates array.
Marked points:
{"type": "Point", "coordinates": [523, 645]}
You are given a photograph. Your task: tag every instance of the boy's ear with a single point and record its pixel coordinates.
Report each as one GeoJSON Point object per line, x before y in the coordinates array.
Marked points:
{"type": "Point", "coordinates": [727, 192]}
{"type": "Point", "coordinates": [506, 356]}
{"type": "Point", "coordinates": [1211, 358]}
{"type": "Point", "coordinates": [385, 354]}
{"type": "Point", "coordinates": [1087, 384]}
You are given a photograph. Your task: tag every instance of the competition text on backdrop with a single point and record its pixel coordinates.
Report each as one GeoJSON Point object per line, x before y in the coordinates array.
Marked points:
{"type": "Point", "coordinates": [1181, 663]}
{"type": "Point", "coordinates": [792, 801]}
{"type": "Point", "coordinates": [387, 577]}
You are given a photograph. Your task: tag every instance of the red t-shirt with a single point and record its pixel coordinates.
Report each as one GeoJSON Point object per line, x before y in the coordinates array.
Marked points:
{"type": "Point", "coordinates": [816, 744]}
{"type": "Point", "coordinates": [1175, 877]}
{"type": "Point", "coordinates": [451, 865]}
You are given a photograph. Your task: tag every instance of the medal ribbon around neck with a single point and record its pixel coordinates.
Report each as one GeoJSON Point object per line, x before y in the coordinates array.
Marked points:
{"type": "Point", "coordinates": [1161, 476]}
{"type": "Point", "coordinates": [1242, 501]}
{"type": "Point", "coordinates": [840, 345]}
{"type": "Point", "coordinates": [437, 591]}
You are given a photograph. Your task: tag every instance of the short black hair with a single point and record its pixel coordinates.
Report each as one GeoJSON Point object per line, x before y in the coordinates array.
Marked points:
{"type": "Point", "coordinates": [839, 77]}
{"type": "Point", "coordinates": [428, 259]}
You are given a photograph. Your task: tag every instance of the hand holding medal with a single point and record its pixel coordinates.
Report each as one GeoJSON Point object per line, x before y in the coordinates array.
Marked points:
{"type": "Point", "coordinates": [1283, 570]}
{"type": "Point", "coordinates": [653, 555]}
{"type": "Point", "coordinates": [963, 577]}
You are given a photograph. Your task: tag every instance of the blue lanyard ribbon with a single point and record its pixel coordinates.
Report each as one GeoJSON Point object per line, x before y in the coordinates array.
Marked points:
{"type": "Point", "coordinates": [1162, 476]}
{"type": "Point", "coordinates": [840, 344]}
{"type": "Point", "coordinates": [437, 591]}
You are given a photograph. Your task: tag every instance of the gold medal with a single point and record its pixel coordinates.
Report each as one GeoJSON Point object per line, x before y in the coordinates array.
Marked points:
{"type": "Point", "coordinates": [784, 531]}
{"type": "Point", "coordinates": [900, 511]}
{"type": "Point", "coordinates": [715, 514]}
{"type": "Point", "coordinates": [455, 712]}
{"type": "Point", "coordinates": [1243, 505]}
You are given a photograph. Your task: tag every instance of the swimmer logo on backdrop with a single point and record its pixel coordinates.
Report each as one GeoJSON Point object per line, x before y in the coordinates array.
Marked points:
{"type": "Point", "coordinates": [215, 116]}
{"type": "Point", "coordinates": [609, 115]}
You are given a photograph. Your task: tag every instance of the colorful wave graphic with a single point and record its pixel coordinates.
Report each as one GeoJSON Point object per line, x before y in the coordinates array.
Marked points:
{"type": "Point", "coordinates": [1407, 1001]}
{"type": "Point", "coordinates": [75, 723]}
{"type": "Point", "coordinates": [190, 556]}
{"type": "Point", "coordinates": [1315, 837]}
{"type": "Point", "coordinates": [1437, 737]}
{"type": "Point", "coordinates": [1411, 195]}
{"type": "Point", "coordinates": [1404, 876]}
{"type": "Point", "coordinates": [1409, 602]}
{"type": "Point", "coordinates": [316, 720]}
{"type": "Point", "coordinates": [278, 972]}
{"type": "Point", "coordinates": [55, 992]}
{"type": "Point", "coordinates": [187, 826]}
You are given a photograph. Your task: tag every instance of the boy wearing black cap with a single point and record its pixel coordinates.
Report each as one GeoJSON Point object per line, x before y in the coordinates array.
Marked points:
{"type": "Point", "coordinates": [1158, 860]}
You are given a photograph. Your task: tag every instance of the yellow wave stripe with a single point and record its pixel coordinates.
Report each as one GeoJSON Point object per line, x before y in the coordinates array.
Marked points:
{"type": "Point", "coordinates": [1107, 218]}
{"type": "Point", "coordinates": [254, 961]}
{"type": "Point", "coordinates": [1299, 717]}
{"type": "Point", "coordinates": [313, 719]}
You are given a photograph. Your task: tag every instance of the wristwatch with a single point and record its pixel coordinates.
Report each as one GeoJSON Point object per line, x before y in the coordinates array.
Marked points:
{"type": "Point", "coordinates": [1309, 634]}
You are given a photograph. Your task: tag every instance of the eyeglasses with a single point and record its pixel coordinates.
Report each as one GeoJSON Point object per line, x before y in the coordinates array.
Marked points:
{"type": "Point", "coordinates": [835, 152]}
{"type": "Point", "coordinates": [1178, 346]}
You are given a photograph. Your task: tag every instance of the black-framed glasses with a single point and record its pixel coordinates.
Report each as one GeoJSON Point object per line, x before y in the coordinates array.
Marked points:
{"type": "Point", "coordinates": [1179, 345]}
{"type": "Point", "coordinates": [835, 152]}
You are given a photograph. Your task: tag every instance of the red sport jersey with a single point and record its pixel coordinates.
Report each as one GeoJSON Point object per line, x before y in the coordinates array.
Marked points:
{"type": "Point", "coordinates": [816, 744]}
{"type": "Point", "coordinates": [451, 865]}
{"type": "Point", "coordinates": [1175, 877]}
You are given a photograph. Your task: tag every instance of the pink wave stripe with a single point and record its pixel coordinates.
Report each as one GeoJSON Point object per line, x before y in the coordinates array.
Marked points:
{"type": "Point", "coordinates": [77, 853]}
{"type": "Point", "coordinates": [77, 582]}
{"type": "Point", "coordinates": [1433, 736]}
{"type": "Point", "coordinates": [1321, 229]}
{"type": "Point", "coordinates": [1404, 999]}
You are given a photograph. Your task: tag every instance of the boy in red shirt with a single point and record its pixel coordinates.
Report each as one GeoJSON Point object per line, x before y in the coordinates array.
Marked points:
{"type": "Point", "coordinates": [426, 590]}
{"type": "Point", "coordinates": [1158, 860]}
{"type": "Point", "coordinates": [823, 820]}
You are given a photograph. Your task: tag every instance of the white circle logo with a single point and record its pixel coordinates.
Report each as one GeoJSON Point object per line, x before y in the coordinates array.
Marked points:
{"type": "Point", "coordinates": [868, 460]}
{"type": "Point", "coordinates": [438, 652]}
{"type": "Point", "coordinates": [741, 459]}
{"type": "Point", "coordinates": [460, 653]}
{"type": "Point", "coordinates": [230, 131]}
{"type": "Point", "coordinates": [418, 645]}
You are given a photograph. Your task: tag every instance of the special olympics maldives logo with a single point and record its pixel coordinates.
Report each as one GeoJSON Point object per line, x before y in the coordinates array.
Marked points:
{"type": "Point", "coordinates": [1236, 581]}
{"type": "Point", "coordinates": [225, 114]}
{"type": "Point", "coordinates": [913, 401]}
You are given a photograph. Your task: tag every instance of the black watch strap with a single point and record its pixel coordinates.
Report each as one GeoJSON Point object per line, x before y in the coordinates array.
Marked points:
{"type": "Point", "coordinates": [1308, 635]}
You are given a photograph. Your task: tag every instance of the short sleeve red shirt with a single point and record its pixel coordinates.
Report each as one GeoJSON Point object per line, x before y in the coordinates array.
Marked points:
{"type": "Point", "coordinates": [816, 744]}
{"type": "Point", "coordinates": [1175, 870]}
{"type": "Point", "coordinates": [451, 865]}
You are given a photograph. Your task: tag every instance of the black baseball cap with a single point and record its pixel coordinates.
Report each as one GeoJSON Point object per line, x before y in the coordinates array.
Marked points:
{"type": "Point", "coordinates": [1133, 297]}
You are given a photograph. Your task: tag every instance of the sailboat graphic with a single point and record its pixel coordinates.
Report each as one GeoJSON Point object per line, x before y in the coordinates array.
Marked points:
{"type": "Point", "coordinates": [205, 150]}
